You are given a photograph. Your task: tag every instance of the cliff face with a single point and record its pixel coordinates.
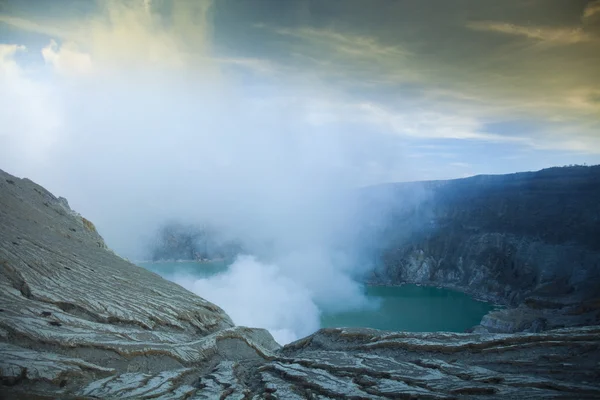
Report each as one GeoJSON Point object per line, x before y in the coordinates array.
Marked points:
{"type": "Point", "coordinates": [77, 321]}
{"type": "Point", "coordinates": [530, 240]}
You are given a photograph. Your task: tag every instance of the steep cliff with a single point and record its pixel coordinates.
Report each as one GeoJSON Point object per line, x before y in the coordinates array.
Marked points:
{"type": "Point", "coordinates": [530, 240]}
{"type": "Point", "coordinates": [77, 321]}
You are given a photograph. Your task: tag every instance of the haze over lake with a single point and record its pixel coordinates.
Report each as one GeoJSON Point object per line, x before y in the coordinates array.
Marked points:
{"type": "Point", "coordinates": [405, 308]}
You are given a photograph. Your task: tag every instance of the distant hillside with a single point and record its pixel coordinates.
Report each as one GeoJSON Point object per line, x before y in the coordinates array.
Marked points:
{"type": "Point", "coordinates": [176, 241]}
{"type": "Point", "coordinates": [513, 238]}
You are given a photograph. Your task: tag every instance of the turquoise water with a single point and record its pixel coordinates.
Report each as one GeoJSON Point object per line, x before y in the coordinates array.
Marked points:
{"type": "Point", "coordinates": [197, 269]}
{"type": "Point", "coordinates": [404, 308]}
{"type": "Point", "coordinates": [414, 308]}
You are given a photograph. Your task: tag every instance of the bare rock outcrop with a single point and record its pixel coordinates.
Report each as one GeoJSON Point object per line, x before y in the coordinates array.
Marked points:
{"type": "Point", "coordinates": [530, 241]}
{"type": "Point", "coordinates": [79, 322]}
{"type": "Point", "coordinates": [72, 311]}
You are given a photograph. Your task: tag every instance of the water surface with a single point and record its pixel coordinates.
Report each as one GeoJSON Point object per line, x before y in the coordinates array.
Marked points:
{"type": "Point", "coordinates": [168, 269]}
{"type": "Point", "coordinates": [414, 308]}
{"type": "Point", "coordinates": [401, 308]}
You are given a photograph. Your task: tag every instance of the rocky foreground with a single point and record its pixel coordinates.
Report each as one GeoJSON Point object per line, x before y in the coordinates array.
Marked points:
{"type": "Point", "coordinates": [77, 321]}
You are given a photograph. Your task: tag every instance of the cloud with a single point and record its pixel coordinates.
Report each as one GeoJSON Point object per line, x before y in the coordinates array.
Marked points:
{"type": "Point", "coordinates": [440, 94]}
{"type": "Point", "coordinates": [29, 112]}
{"type": "Point", "coordinates": [591, 11]}
{"type": "Point", "coordinates": [7, 52]}
{"type": "Point", "coordinates": [44, 28]}
{"type": "Point", "coordinates": [585, 99]}
{"type": "Point", "coordinates": [129, 33]}
{"type": "Point", "coordinates": [433, 125]}
{"type": "Point", "coordinates": [457, 93]}
{"type": "Point", "coordinates": [460, 164]}
{"type": "Point", "coordinates": [544, 34]}
{"type": "Point", "coordinates": [257, 65]}
{"type": "Point", "coordinates": [66, 59]}
{"type": "Point", "coordinates": [327, 48]}
{"type": "Point", "coordinates": [352, 44]}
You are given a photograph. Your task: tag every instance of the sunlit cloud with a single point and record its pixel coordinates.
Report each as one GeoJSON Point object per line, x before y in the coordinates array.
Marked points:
{"type": "Point", "coordinates": [449, 98]}
{"type": "Point", "coordinates": [29, 112]}
{"type": "Point", "coordinates": [328, 49]}
{"type": "Point", "coordinates": [355, 45]}
{"type": "Point", "coordinates": [544, 34]}
{"type": "Point", "coordinates": [455, 98]}
{"type": "Point", "coordinates": [66, 59]}
{"type": "Point", "coordinates": [592, 10]}
{"type": "Point", "coordinates": [44, 28]}
{"type": "Point", "coordinates": [128, 33]}
{"type": "Point", "coordinates": [257, 65]}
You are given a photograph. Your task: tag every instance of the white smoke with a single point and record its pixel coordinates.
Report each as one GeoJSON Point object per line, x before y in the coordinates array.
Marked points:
{"type": "Point", "coordinates": [260, 295]}
{"type": "Point", "coordinates": [136, 123]}
{"type": "Point", "coordinates": [286, 297]}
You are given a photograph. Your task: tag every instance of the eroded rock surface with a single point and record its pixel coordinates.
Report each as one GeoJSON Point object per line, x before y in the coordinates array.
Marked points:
{"type": "Point", "coordinates": [530, 241]}
{"type": "Point", "coordinates": [374, 364]}
{"type": "Point", "coordinates": [77, 321]}
{"type": "Point", "coordinates": [71, 311]}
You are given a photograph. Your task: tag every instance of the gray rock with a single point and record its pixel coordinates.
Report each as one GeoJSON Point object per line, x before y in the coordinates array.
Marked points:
{"type": "Point", "coordinates": [537, 325]}
{"type": "Point", "coordinates": [77, 321]}
{"type": "Point", "coordinates": [528, 239]}
{"type": "Point", "coordinates": [66, 300]}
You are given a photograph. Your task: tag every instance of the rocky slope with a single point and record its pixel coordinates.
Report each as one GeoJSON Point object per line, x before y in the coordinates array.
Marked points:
{"type": "Point", "coordinates": [530, 241]}
{"type": "Point", "coordinates": [72, 312]}
{"type": "Point", "coordinates": [77, 321]}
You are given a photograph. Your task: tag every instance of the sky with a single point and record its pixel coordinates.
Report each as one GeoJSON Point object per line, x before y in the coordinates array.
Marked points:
{"type": "Point", "coordinates": [448, 88]}
{"type": "Point", "coordinates": [261, 115]}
